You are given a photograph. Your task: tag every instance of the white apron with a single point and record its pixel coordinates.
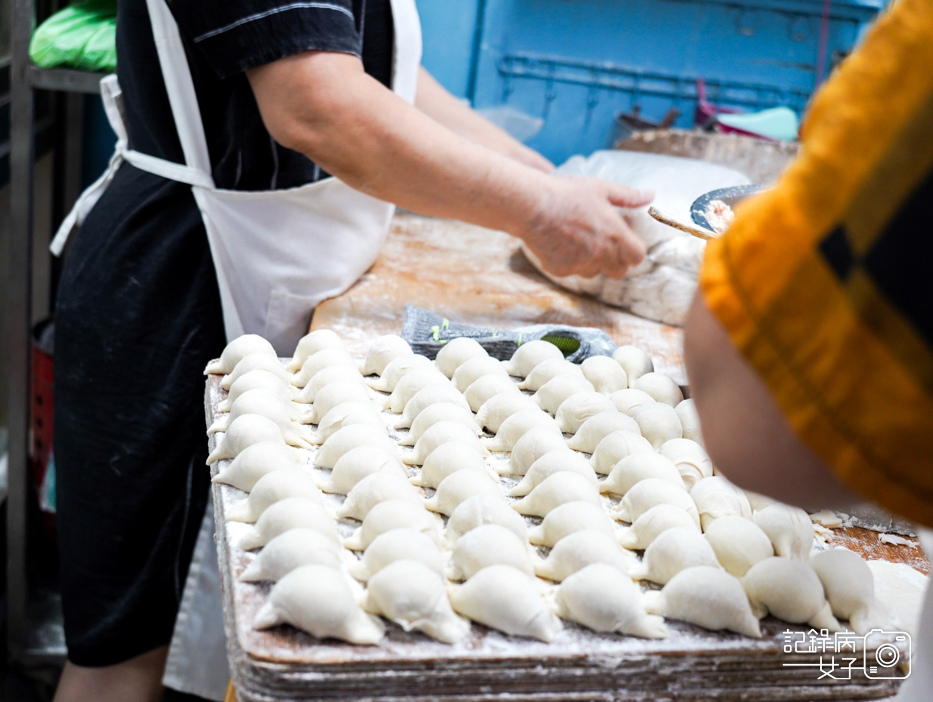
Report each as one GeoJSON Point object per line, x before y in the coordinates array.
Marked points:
{"type": "Point", "coordinates": [917, 688]}
{"type": "Point", "coordinates": [277, 254]}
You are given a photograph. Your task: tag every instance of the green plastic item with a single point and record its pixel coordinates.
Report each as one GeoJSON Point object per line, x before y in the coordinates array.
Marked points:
{"type": "Point", "coordinates": [778, 123]}
{"type": "Point", "coordinates": [80, 36]}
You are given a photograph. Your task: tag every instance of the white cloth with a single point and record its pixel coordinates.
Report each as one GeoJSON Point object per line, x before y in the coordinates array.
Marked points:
{"type": "Point", "coordinates": [919, 686]}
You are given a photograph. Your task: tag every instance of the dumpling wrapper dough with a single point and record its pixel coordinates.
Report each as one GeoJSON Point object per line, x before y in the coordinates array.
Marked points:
{"type": "Point", "coordinates": [311, 343]}
{"type": "Point", "coordinates": [447, 459]}
{"type": "Point", "coordinates": [256, 380]}
{"type": "Point", "coordinates": [546, 370]}
{"type": "Point", "coordinates": [411, 383]}
{"type": "Point", "coordinates": [654, 522]}
{"type": "Point", "coordinates": [271, 488]}
{"type": "Point", "coordinates": [579, 407]}
{"type": "Point", "coordinates": [251, 362]}
{"type": "Point", "coordinates": [671, 552]}
{"type": "Point", "coordinates": [359, 463]}
{"type": "Point", "coordinates": [789, 590]}
{"type": "Point", "coordinates": [398, 513]}
{"type": "Point", "coordinates": [616, 446]}
{"type": "Point", "coordinates": [244, 431]}
{"type": "Point", "coordinates": [325, 377]}
{"type": "Point", "coordinates": [504, 598]}
{"type": "Point", "coordinates": [460, 486]}
{"type": "Point", "coordinates": [739, 543]}
{"type": "Point", "coordinates": [716, 497]}
{"type": "Point", "coordinates": [441, 412]}
{"type": "Point", "coordinates": [332, 395]}
{"type": "Point", "coordinates": [395, 545]}
{"type": "Point", "coordinates": [255, 461]}
{"type": "Point", "coordinates": [658, 422]}
{"type": "Point", "coordinates": [440, 434]}
{"type": "Point", "coordinates": [290, 550]}
{"type": "Point", "coordinates": [555, 491]}
{"type": "Point", "coordinates": [650, 492]}
{"type": "Point", "coordinates": [486, 545]}
{"type": "Point", "coordinates": [580, 549]}
{"type": "Point", "coordinates": [237, 350]}
{"type": "Point", "coordinates": [559, 460]}
{"type": "Point", "coordinates": [383, 350]}
{"type": "Point", "coordinates": [351, 437]}
{"type": "Point", "coordinates": [789, 528]}
{"type": "Point", "coordinates": [500, 407]}
{"type": "Point", "coordinates": [689, 420]}
{"type": "Point", "coordinates": [533, 444]}
{"type": "Point", "coordinates": [637, 467]}
{"type": "Point", "coordinates": [344, 415]}
{"type": "Point", "coordinates": [568, 518]}
{"type": "Point", "coordinates": [456, 352]}
{"type": "Point", "coordinates": [484, 509]}
{"type": "Point", "coordinates": [634, 362]}
{"type": "Point", "coordinates": [529, 355]}
{"type": "Point", "coordinates": [598, 427]}
{"type": "Point", "coordinates": [550, 395]}
{"type": "Point", "coordinates": [373, 489]}
{"type": "Point", "coordinates": [317, 362]}
{"type": "Point", "coordinates": [605, 373]}
{"type": "Point", "coordinates": [628, 401]}
{"type": "Point", "coordinates": [487, 387]}
{"type": "Point", "coordinates": [319, 600]}
{"type": "Point", "coordinates": [290, 513]}
{"type": "Point", "coordinates": [661, 387]}
{"type": "Point", "coordinates": [397, 369]}
{"type": "Point", "coordinates": [690, 458]}
{"type": "Point", "coordinates": [849, 587]}
{"type": "Point", "coordinates": [513, 428]}
{"type": "Point", "coordinates": [268, 405]}
{"type": "Point", "coordinates": [477, 367]}
{"type": "Point", "coordinates": [426, 397]}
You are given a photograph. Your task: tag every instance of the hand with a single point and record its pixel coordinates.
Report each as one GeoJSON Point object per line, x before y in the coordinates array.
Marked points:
{"type": "Point", "coordinates": [576, 229]}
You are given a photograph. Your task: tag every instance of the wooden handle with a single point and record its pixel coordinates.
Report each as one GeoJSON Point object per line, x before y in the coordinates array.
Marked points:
{"type": "Point", "coordinates": [699, 232]}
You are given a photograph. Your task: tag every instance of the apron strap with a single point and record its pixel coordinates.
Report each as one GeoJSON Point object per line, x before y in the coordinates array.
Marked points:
{"type": "Point", "coordinates": [406, 54]}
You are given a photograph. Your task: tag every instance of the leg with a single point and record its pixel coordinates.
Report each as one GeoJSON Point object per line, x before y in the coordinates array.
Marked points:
{"type": "Point", "coordinates": [136, 680]}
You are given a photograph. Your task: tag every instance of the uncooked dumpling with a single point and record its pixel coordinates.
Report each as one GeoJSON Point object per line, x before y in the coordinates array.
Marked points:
{"type": "Point", "coordinates": [789, 590]}
{"type": "Point", "coordinates": [708, 597]}
{"type": "Point", "coordinates": [333, 394]}
{"type": "Point", "coordinates": [256, 380]}
{"type": "Point", "coordinates": [690, 458]}
{"type": "Point", "coordinates": [439, 434]}
{"type": "Point", "coordinates": [598, 427]}
{"type": "Point", "coordinates": [580, 549]}
{"type": "Point", "coordinates": [244, 431]}
{"type": "Point", "coordinates": [459, 486]}
{"type": "Point", "coordinates": [739, 543]}
{"type": "Point", "coordinates": [650, 492]}
{"type": "Point", "coordinates": [411, 383]}
{"type": "Point", "coordinates": [637, 467]}
{"type": "Point", "coordinates": [317, 362]}
{"type": "Point", "coordinates": [568, 518]}
{"type": "Point", "coordinates": [628, 401]}
{"type": "Point", "coordinates": [237, 350]}
{"type": "Point", "coordinates": [486, 387]}
{"type": "Point", "coordinates": [413, 596]}
{"type": "Point", "coordinates": [456, 352]}
{"type": "Point", "coordinates": [577, 408]}
{"type": "Point", "coordinates": [319, 600]}
{"type": "Point", "coordinates": [850, 588]}
{"type": "Point", "coordinates": [486, 545]}
{"type": "Point", "coordinates": [789, 528]}
{"type": "Point", "coordinates": [547, 370]}
{"type": "Point", "coordinates": [689, 420]}
{"type": "Point", "coordinates": [616, 446]}
{"type": "Point", "coordinates": [550, 395]}
{"type": "Point", "coordinates": [373, 489]}
{"type": "Point", "coordinates": [345, 415]}
{"type": "Point", "coordinates": [529, 355]}
{"type": "Point", "coordinates": [555, 491]}
{"type": "Point", "coordinates": [326, 376]}
{"type": "Point", "coordinates": [661, 387]}
{"type": "Point", "coordinates": [254, 361]}
{"type": "Point", "coordinates": [382, 351]}
{"type": "Point", "coordinates": [658, 423]}
{"type": "Point", "coordinates": [500, 407]}
{"type": "Point", "coordinates": [513, 428]}
{"type": "Point", "coordinates": [484, 509]}
{"type": "Point", "coordinates": [504, 598]}
{"type": "Point", "coordinates": [310, 344]}
{"type": "Point", "coordinates": [450, 457]}
{"type": "Point", "coordinates": [395, 545]}
{"type": "Point", "coordinates": [475, 368]}
{"type": "Point", "coordinates": [716, 497]}
{"type": "Point", "coordinates": [654, 522]}
{"type": "Point", "coordinates": [532, 446]}
{"type": "Point", "coordinates": [290, 513]}
{"type": "Point", "coordinates": [672, 551]}
{"type": "Point", "coordinates": [559, 460]}
{"type": "Point", "coordinates": [605, 373]}
{"type": "Point", "coordinates": [601, 599]}
{"type": "Point", "coordinates": [359, 463]}
{"type": "Point", "coordinates": [264, 403]}
{"type": "Point", "coordinates": [426, 397]}
{"type": "Point", "coordinates": [271, 488]}
{"type": "Point", "coordinates": [634, 362]}
{"type": "Point", "coordinates": [397, 369]}
{"type": "Point", "coordinates": [441, 412]}
{"type": "Point", "coordinates": [350, 437]}
{"type": "Point", "coordinates": [397, 513]}
{"type": "Point", "coordinates": [290, 550]}
{"type": "Point", "coordinates": [255, 461]}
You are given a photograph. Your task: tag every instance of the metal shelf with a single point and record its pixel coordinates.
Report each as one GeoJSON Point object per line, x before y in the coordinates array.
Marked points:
{"type": "Point", "coordinates": [64, 79]}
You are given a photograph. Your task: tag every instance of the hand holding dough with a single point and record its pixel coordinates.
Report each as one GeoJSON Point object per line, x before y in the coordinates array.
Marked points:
{"type": "Point", "coordinates": [789, 590]}
{"type": "Point", "coordinates": [529, 355]}
{"type": "Point", "coordinates": [568, 518]}
{"type": "Point", "coordinates": [598, 427]}
{"type": "Point", "coordinates": [382, 351]}
{"type": "Point", "coordinates": [237, 350]}
{"type": "Point", "coordinates": [486, 545]}
{"type": "Point", "coordinates": [311, 343]}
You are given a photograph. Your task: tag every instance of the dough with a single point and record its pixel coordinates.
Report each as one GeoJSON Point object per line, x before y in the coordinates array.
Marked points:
{"type": "Point", "coordinates": [397, 513]}
{"type": "Point", "coordinates": [237, 350]}
{"type": "Point", "coordinates": [255, 361]}
{"type": "Point", "coordinates": [616, 446]}
{"type": "Point", "coordinates": [319, 600]}
{"type": "Point", "coordinates": [317, 362]}
{"type": "Point", "coordinates": [605, 373]}
{"type": "Point", "coordinates": [789, 528]}
{"type": "Point", "coordinates": [350, 437]}
{"type": "Point", "coordinates": [529, 355]}
{"type": "Point", "coordinates": [394, 545]}
{"type": "Point", "coordinates": [637, 467]}
{"type": "Point", "coordinates": [426, 397]}
{"type": "Point", "coordinates": [411, 383]}
{"type": "Point", "coordinates": [333, 394]}
{"type": "Point", "coordinates": [271, 488]}
{"type": "Point", "coordinates": [568, 518]}
{"type": "Point", "coordinates": [580, 549]}
{"type": "Point", "coordinates": [382, 351]}
{"type": "Point", "coordinates": [654, 522]}
{"type": "Point", "coordinates": [500, 407]}
{"type": "Point", "coordinates": [441, 412]}
{"type": "Point", "coordinates": [789, 590]}
{"type": "Point", "coordinates": [598, 427]}
{"type": "Point", "coordinates": [555, 491]}
{"type": "Point", "coordinates": [627, 401]}
{"type": "Point", "coordinates": [689, 420]}
{"type": "Point", "coordinates": [289, 550]}
{"type": "Point", "coordinates": [266, 404]}
{"type": "Point", "coordinates": [486, 545]}
{"type": "Point", "coordinates": [396, 369]}
{"type": "Point", "coordinates": [244, 431]}
{"type": "Point", "coordinates": [634, 362]}
{"type": "Point", "coordinates": [473, 369]}
{"type": "Point", "coordinates": [550, 395]}
{"type": "Point", "coordinates": [674, 550]}
{"type": "Point", "coordinates": [599, 599]}
{"type": "Point", "coordinates": [448, 458]}
{"type": "Point", "coordinates": [484, 509]}
{"type": "Point", "coordinates": [325, 377]}
{"type": "Point", "coordinates": [290, 513]}
{"type": "Point", "coordinates": [690, 458]}
{"type": "Point", "coordinates": [456, 352]}
{"type": "Point", "coordinates": [661, 387]}
{"type": "Point", "coordinates": [650, 492]}
{"type": "Point", "coordinates": [556, 461]}
{"type": "Point", "coordinates": [738, 543]}
{"type": "Point", "coordinates": [413, 596]}
{"type": "Point", "coordinates": [311, 343]}
{"type": "Point", "coordinates": [850, 589]}
{"type": "Point", "coordinates": [577, 408]}
{"type": "Point", "coordinates": [358, 463]}
{"type": "Point", "coordinates": [488, 386]}
{"type": "Point", "coordinates": [458, 487]}
{"type": "Point", "coordinates": [372, 490]}
{"type": "Point", "coordinates": [255, 461]}
{"type": "Point", "coordinates": [256, 380]}
{"type": "Point", "coordinates": [708, 597]}
{"type": "Point", "coordinates": [532, 446]}
{"type": "Point", "coordinates": [658, 423]}
{"type": "Point", "coordinates": [504, 598]}
{"type": "Point", "coordinates": [437, 436]}
{"type": "Point", "coordinates": [716, 497]}
{"type": "Point", "coordinates": [546, 371]}
{"type": "Point", "coordinates": [347, 414]}
{"type": "Point", "coordinates": [513, 428]}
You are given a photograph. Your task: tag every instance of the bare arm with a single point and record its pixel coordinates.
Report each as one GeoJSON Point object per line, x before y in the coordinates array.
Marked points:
{"type": "Point", "coordinates": [323, 105]}
{"type": "Point", "coordinates": [745, 432]}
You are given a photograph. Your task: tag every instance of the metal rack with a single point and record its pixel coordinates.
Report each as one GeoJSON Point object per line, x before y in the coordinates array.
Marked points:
{"type": "Point", "coordinates": [30, 641]}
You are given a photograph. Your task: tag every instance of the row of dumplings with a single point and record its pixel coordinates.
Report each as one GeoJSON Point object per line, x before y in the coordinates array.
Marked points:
{"type": "Point", "coordinates": [620, 427]}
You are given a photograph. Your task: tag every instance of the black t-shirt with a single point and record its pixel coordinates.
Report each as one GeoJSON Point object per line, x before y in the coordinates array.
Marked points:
{"type": "Point", "coordinates": [223, 39]}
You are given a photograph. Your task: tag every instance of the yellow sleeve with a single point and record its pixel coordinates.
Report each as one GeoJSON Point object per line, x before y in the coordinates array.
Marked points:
{"type": "Point", "coordinates": [825, 283]}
